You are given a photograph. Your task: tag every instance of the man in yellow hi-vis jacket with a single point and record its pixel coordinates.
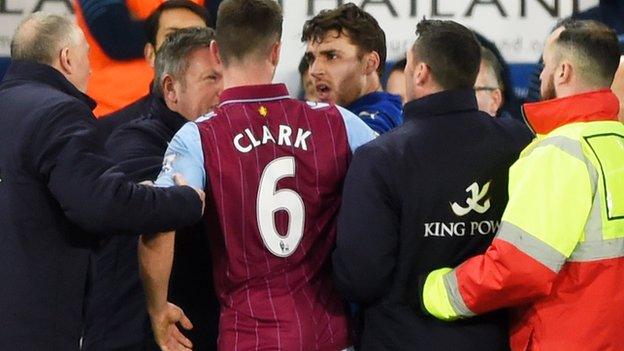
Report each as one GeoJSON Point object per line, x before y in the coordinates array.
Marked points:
{"type": "Point", "coordinates": [558, 257]}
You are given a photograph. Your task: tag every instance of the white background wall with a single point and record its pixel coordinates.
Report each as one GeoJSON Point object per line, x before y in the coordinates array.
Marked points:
{"type": "Point", "coordinates": [519, 30]}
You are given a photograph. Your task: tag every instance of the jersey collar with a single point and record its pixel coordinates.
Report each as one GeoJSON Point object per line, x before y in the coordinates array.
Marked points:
{"type": "Point", "coordinates": [545, 116]}
{"type": "Point", "coordinates": [253, 93]}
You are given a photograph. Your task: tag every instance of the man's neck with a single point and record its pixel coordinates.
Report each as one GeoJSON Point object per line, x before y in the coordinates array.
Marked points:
{"type": "Point", "coordinates": [170, 105]}
{"type": "Point", "coordinates": [577, 90]}
{"type": "Point", "coordinates": [428, 89]}
{"type": "Point", "coordinates": [235, 75]}
{"type": "Point", "coordinates": [373, 84]}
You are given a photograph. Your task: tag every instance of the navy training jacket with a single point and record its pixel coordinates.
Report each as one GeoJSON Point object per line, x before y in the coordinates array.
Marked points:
{"type": "Point", "coordinates": [381, 111]}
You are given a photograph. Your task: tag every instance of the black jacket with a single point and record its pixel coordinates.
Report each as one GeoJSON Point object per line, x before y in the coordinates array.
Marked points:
{"type": "Point", "coordinates": [107, 124]}
{"type": "Point", "coordinates": [407, 209]}
{"type": "Point", "coordinates": [118, 318]}
{"type": "Point", "coordinates": [58, 199]}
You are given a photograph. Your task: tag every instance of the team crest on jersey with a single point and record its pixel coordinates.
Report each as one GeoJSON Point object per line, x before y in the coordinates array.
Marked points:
{"type": "Point", "coordinates": [263, 111]}
{"type": "Point", "coordinates": [168, 163]}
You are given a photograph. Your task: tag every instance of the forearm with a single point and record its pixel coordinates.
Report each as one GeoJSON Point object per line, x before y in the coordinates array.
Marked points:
{"type": "Point", "coordinates": [504, 276]}
{"type": "Point", "coordinates": [155, 261]}
{"type": "Point", "coordinates": [98, 197]}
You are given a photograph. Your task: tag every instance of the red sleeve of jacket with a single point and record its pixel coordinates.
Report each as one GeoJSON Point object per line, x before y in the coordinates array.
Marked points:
{"type": "Point", "coordinates": [489, 276]}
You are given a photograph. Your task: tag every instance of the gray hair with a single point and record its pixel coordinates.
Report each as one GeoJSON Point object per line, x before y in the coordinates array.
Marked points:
{"type": "Point", "coordinates": [40, 36]}
{"type": "Point", "coordinates": [494, 66]}
{"type": "Point", "coordinates": [173, 56]}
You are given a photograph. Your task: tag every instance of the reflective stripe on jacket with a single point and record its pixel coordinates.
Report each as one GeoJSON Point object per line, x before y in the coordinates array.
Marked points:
{"type": "Point", "coordinates": [558, 257]}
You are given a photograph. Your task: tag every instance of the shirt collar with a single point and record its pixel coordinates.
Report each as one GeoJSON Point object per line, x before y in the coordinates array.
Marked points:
{"type": "Point", "coordinates": [33, 71]}
{"type": "Point", "coordinates": [546, 116]}
{"type": "Point", "coordinates": [253, 93]}
{"type": "Point", "coordinates": [441, 103]}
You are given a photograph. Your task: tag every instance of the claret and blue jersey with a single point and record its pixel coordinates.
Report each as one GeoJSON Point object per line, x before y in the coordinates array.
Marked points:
{"type": "Point", "coordinates": [273, 168]}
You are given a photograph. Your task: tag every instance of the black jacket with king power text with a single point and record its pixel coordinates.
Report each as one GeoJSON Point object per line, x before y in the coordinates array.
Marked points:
{"type": "Point", "coordinates": [427, 194]}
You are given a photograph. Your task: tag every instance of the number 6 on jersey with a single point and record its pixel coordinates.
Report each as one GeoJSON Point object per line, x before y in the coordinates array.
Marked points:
{"type": "Point", "coordinates": [270, 201]}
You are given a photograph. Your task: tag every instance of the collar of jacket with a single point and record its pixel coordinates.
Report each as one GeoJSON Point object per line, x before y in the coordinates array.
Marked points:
{"type": "Point", "coordinates": [545, 116]}
{"type": "Point", "coordinates": [158, 109]}
{"type": "Point", "coordinates": [375, 98]}
{"type": "Point", "coordinates": [37, 72]}
{"type": "Point", "coordinates": [441, 103]}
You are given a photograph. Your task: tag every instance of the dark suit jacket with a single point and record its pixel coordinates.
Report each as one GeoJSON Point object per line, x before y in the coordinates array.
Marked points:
{"type": "Point", "coordinates": [118, 319]}
{"type": "Point", "coordinates": [107, 124]}
{"type": "Point", "coordinates": [58, 199]}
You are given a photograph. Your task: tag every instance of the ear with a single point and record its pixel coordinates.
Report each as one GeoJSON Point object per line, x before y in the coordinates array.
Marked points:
{"type": "Point", "coordinates": [150, 54]}
{"type": "Point", "coordinates": [64, 61]}
{"type": "Point", "coordinates": [168, 89]}
{"type": "Point", "coordinates": [214, 50]}
{"type": "Point", "coordinates": [275, 53]}
{"type": "Point", "coordinates": [422, 74]}
{"type": "Point", "coordinates": [497, 99]}
{"type": "Point", "coordinates": [565, 73]}
{"type": "Point", "coordinates": [372, 62]}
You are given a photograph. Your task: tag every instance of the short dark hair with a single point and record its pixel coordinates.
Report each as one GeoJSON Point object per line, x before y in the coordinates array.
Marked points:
{"type": "Point", "coordinates": [152, 23]}
{"type": "Point", "coordinates": [173, 56]}
{"type": "Point", "coordinates": [362, 29]}
{"type": "Point", "coordinates": [246, 27]}
{"type": "Point", "coordinates": [492, 63]}
{"type": "Point", "coordinates": [399, 65]}
{"type": "Point", "coordinates": [596, 48]}
{"type": "Point", "coordinates": [451, 51]}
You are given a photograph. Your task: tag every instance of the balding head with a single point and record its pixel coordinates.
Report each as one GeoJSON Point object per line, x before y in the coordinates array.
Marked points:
{"type": "Point", "coordinates": [40, 37]}
{"type": "Point", "coordinates": [55, 41]}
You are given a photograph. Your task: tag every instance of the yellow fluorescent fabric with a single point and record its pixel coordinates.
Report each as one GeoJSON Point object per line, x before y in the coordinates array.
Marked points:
{"type": "Point", "coordinates": [608, 149]}
{"type": "Point", "coordinates": [435, 297]}
{"type": "Point", "coordinates": [550, 197]}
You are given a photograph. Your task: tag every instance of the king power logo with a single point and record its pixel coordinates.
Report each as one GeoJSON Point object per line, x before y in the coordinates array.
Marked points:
{"type": "Point", "coordinates": [473, 200]}
{"type": "Point", "coordinates": [477, 202]}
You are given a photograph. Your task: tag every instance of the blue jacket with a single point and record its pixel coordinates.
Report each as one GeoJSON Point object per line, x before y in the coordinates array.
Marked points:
{"type": "Point", "coordinates": [379, 110]}
{"type": "Point", "coordinates": [58, 199]}
{"type": "Point", "coordinates": [397, 219]}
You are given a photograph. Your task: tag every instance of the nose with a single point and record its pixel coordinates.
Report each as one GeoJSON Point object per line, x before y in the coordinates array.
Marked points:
{"type": "Point", "coordinates": [316, 69]}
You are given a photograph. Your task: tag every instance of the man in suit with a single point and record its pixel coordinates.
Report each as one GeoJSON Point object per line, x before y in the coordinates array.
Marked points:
{"type": "Point", "coordinates": [58, 197]}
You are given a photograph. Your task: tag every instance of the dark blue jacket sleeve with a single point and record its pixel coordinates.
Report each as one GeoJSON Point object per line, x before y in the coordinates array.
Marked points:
{"type": "Point", "coordinates": [95, 196]}
{"type": "Point", "coordinates": [368, 229]}
{"type": "Point", "coordinates": [111, 24]}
